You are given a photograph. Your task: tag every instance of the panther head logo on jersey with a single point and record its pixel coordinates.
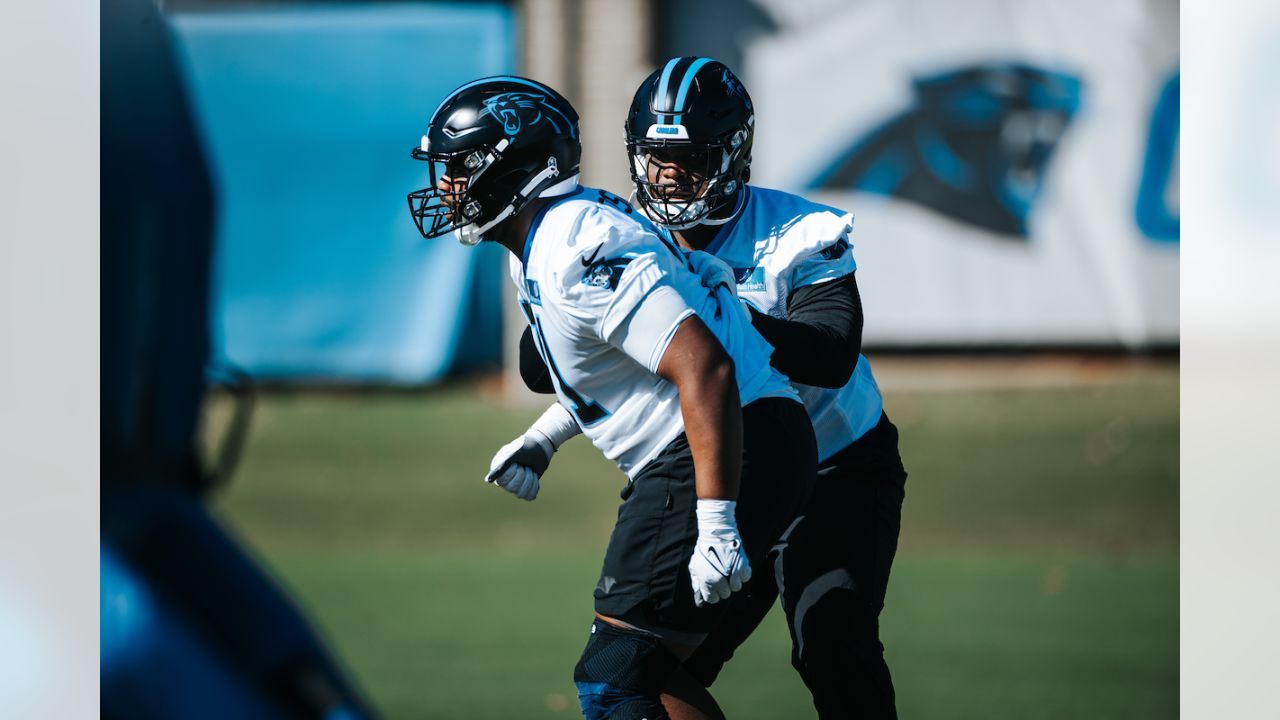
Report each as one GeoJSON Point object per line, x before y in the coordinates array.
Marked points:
{"type": "Point", "coordinates": [605, 274]}
{"type": "Point", "coordinates": [516, 110]}
{"type": "Point", "coordinates": [975, 146]}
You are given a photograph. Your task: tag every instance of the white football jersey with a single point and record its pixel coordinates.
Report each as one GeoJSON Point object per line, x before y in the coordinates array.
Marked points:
{"type": "Point", "coordinates": [604, 293]}
{"type": "Point", "coordinates": [776, 242]}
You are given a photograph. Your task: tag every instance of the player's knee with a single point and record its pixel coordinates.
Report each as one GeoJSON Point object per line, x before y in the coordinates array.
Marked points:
{"type": "Point", "coordinates": [831, 617]}
{"type": "Point", "coordinates": [689, 692]}
{"type": "Point", "coordinates": [702, 670]}
{"type": "Point", "coordinates": [621, 674]}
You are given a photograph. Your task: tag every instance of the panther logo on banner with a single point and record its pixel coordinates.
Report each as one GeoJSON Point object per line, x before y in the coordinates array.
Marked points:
{"type": "Point", "coordinates": [974, 147]}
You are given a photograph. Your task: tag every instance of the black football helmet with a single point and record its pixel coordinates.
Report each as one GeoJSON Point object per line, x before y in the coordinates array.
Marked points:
{"type": "Point", "coordinates": [492, 145]}
{"type": "Point", "coordinates": [694, 114]}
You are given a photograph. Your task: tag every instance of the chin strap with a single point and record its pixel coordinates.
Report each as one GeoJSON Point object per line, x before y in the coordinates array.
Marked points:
{"type": "Point", "coordinates": [731, 186]}
{"type": "Point", "coordinates": [470, 234]}
{"type": "Point", "coordinates": [564, 187]}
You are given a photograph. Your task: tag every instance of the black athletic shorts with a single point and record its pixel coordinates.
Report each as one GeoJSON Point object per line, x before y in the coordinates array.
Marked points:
{"type": "Point", "coordinates": [645, 578]}
{"type": "Point", "coordinates": [851, 523]}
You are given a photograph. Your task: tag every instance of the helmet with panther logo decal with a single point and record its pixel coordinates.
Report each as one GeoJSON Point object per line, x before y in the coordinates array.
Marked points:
{"type": "Point", "coordinates": [492, 146]}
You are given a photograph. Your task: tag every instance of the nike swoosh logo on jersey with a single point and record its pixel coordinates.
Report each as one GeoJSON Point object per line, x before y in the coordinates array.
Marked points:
{"type": "Point", "coordinates": [588, 261]}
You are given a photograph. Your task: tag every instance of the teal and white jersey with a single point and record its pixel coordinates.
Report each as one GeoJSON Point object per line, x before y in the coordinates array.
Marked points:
{"type": "Point", "coordinates": [604, 294]}
{"type": "Point", "coordinates": [776, 242]}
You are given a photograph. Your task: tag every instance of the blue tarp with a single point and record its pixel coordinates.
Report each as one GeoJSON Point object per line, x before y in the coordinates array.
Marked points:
{"type": "Point", "coordinates": [308, 115]}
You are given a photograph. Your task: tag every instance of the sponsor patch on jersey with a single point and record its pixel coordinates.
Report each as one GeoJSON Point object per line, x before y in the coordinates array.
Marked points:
{"type": "Point", "coordinates": [749, 279]}
{"type": "Point", "coordinates": [535, 292]}
{"type": "Point", "coordinates": [834, 251]}
{"type": "Point", "coordinates": [605, 274]}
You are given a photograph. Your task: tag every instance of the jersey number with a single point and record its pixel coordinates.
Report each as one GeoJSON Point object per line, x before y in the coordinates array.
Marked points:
{"type": "Point", "coordinates": [589, 412]}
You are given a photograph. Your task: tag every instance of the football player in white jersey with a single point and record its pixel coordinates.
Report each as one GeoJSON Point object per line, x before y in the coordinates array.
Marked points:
{"type": "Point", "coordinates": [666, 376]}
{"type": "Point", "coordinates": [689, 135]}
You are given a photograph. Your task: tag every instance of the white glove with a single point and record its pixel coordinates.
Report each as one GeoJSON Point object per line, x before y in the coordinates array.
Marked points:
{"type": "Point", "coordinates": [713, 271]}
{"type": "Point", "coordinates": [719, 564]}
{"type": "Point", "coordinates": [518, 466]}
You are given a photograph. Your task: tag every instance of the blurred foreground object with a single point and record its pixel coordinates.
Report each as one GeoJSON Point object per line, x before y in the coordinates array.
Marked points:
{"type": "Point", "coordinates": [191, 628]}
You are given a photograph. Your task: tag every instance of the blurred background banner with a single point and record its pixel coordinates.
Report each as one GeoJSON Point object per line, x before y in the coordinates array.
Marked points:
{"type": "Point", "coordinates": [1012, 167]}
{"type": "Point", "coordinates": [309, 113]}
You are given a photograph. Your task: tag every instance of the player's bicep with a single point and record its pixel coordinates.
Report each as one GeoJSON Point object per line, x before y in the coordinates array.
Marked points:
{"type": "Point", "coordinates": [647, 331]}
{"type": "Point", "coordinates": [646, 308]}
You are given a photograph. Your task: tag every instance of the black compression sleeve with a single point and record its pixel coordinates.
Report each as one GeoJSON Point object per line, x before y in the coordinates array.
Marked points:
{"type": "Point", "coordinates": [819, 342]}
{"type": "Point", "coordinates": [533, 370]}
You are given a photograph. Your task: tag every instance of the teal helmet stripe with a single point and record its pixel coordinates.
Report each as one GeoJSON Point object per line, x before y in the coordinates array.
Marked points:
{"type": "Point", "coordinates": [689, 75]}
{"type": "Point", "coordinates": [661, 95]}
{"type": "Point", "coordinates": [513, 79]}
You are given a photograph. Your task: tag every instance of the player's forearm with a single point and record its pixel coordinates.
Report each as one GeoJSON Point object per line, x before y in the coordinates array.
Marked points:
{"type": "Point", "coordinates": [819, 342]}
{"type": "Point", "coordinates": [809, 354]}
{"type": "Point", "coordinates": [703, 373]}
{"type": "Point", "coordinates": [713, 425]}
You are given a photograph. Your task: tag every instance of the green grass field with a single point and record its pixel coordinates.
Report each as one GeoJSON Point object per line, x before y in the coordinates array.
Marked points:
{"type": "Point", "coordinates": [1037, 575]}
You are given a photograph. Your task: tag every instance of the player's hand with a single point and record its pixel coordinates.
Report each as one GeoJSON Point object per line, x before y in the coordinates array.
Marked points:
{"type": "Point", "coordinates": [713, 271]}
{"type": "Point", "coordinates": [518, 465]}
{"type": "Point", "coordinates": [719, 564]}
